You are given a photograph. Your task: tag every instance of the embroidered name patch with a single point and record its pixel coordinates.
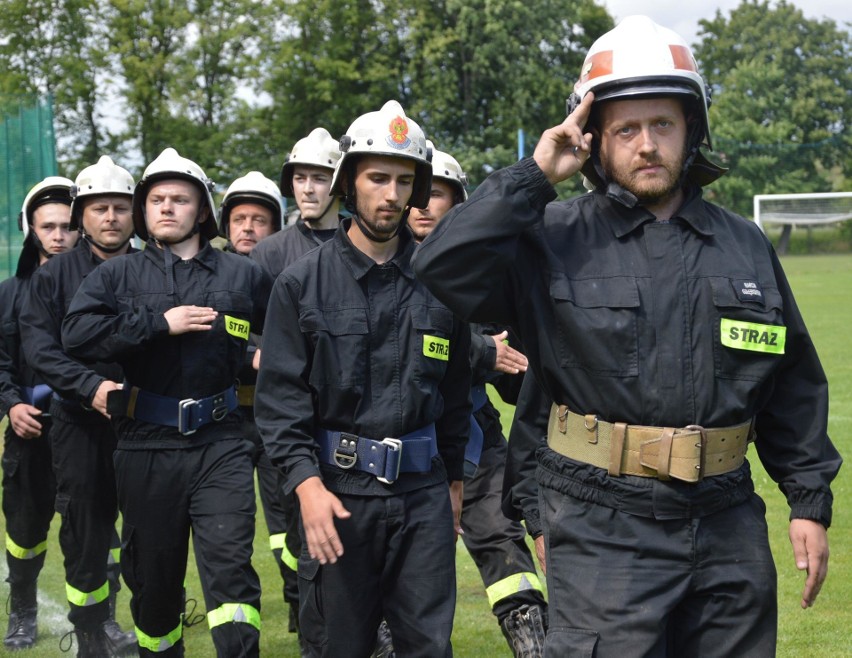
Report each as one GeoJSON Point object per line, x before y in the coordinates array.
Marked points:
{"type": "Point", "coordinates": [748, 291]}
{"type": "Point", "coordinates": [436, 348]}
{"type": "Point", "coordinates": [236, 327]}
{"type": "Point", "coordinates": [767, 338]}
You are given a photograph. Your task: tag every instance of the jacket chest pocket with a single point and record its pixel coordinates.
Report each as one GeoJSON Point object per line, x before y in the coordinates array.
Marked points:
{"type": "Point", "coordinates": [597, 324]}
{"type": "Point", "coordinates": [340, 339]}
{"type": "Point", "coordinates": [430, 348]}
{"type": "Point", "coordinates": [748, 336]}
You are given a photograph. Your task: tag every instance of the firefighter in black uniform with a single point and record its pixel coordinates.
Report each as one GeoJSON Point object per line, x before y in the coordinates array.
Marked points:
{"type": "Point", "coordinates": [496, 544]}
{"type": "Point", "coordinates": [251, 212]}
{"type": "Point", "coordinates": [665, 332]}
{"type": "Point", "coordinates": [81, 438]}
{"type": "Point", "coordinates": [306, 177]}
{"type": "Point", "coordinates": [29, 489]}
{"type": "Point", "coordinates": [363, 400]}
{"type": "Point", "coordinates": [177, 317]}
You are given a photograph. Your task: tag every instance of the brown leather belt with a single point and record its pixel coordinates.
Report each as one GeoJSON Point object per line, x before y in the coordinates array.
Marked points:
{"type": "Point", "coordinates": [689, 453]}
{"type": "Point", "coordinates": [245, 396]}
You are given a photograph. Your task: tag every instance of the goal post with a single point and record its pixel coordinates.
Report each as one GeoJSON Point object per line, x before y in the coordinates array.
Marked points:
{"type": "Point", "coordinates": [808, 210]}
{"type": "Point", "coordinates": [802, 209]}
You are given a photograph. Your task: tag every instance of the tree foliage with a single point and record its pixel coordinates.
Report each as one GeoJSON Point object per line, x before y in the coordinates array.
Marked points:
{"type": "Point", "coordinates": [782, 91]}
{"type": "Point", "coordinates": [234, 84]}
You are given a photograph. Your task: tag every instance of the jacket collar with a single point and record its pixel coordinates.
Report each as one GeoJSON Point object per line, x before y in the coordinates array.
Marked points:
{"type": "Point", "coordinates": [360, 263]}
{"type": "Point", "coordinates": [628, 219]}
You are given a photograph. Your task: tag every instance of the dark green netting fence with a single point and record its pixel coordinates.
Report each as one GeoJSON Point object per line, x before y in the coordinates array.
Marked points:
{"type": "Point", "coordinates": [27, 155]}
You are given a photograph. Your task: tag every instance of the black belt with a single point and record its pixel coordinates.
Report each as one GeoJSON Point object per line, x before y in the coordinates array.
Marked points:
{"type": "Point", "coordinates": [386, 459]}
{"type": "Point", "coordinates": [186, 415]}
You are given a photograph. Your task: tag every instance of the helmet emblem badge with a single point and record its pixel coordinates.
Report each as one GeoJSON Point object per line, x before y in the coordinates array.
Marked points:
{"type": "Point", "coordinates": [398, 137]}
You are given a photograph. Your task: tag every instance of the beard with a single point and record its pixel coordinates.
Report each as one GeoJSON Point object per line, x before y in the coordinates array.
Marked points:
{"type": "Point", "coordinates": [382, 226]}
{"type": "Point", "coordinates": [648, 190]}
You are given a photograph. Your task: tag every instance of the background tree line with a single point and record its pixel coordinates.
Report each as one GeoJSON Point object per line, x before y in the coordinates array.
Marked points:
{"type": "Point", "coordinates": [234, 83]}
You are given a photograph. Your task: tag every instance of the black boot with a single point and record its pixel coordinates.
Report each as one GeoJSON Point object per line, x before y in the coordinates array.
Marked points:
{"type": "Point", "coordinates": [384, 642]}
{"type": "Point", "coordinates": [91, 643]}
{"type": "Point", "coordinates": [525, 629]}
{"type": "Point", "coordinates": [120, 643]}
{"type": "Point", "coordinates": [23, 614]}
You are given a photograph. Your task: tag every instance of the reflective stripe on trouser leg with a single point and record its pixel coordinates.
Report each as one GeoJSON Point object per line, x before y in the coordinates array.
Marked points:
{"type": "Point", "coordinates": [279, 541]}
{"type": "Point", "coordinates": [159, 644]}
{"type": "Point", "coordinates": [84, 599]}
{"type": "Point", "coordinates": [234, 612]}
{"type": "Point", "coordinates": [24, 553]}
{"type": "Point", "coordinates": [519, 582]}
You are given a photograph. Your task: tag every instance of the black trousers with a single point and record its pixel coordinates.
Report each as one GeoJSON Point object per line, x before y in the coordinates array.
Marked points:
{"type": "Point", "coordinates": [29, 495]}
{"type": "Point", "coordinates": [398, 564]}
{"type": "Point", "coordinates": [278, 512]}
{"type": "Point", "coordinates": [163, 495]}
{"type": "Point", "coordinates": [82, 443]}
{"type": "Point", "coordinates": [621, 584]}
{"type": "Point", "coordinates": [497, 544]}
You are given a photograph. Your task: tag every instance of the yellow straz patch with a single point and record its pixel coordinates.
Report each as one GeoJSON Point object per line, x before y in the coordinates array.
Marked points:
{"type": "Point", "coordinates": [237, 327]}
{"type": "Point", "coordinates": [767, 338]}
{"type": "Point", "coordinates": [436, 348]}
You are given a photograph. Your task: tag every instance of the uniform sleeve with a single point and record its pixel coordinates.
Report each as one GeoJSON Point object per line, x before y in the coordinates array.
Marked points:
{"type": "Point", "coordinates": [483, 354]}
{"type": "Point", "coordinates": [283, 403]}
{"type": "Point", "coordinates": [261, 289]}
{"type": "Point", "coordinates": [792, 432]}
{"type": "Point", "coordinates": [41, 323]}
{"type": "Point", "coordinates": [453, 427]}
{"type": "Point", "coordinates": [96, 328]}
{"type": "Point", "coordinates": [10, 393]}
{"type": "Point", "coordinates": [468, 260]}
{"type": "Point", "coordinates": [528, 434]}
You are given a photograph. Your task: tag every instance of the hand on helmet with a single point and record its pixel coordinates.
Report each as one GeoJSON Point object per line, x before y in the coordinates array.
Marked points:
{"type": "Point", "coordinates": [563, 149]}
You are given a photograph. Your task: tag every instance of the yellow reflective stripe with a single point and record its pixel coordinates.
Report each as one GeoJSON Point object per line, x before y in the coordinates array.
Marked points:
{"type": "Point", "coordinates": [436, 348]}
{"type": "Point", "coordinates": [234, 612]}
{"type": "Point", "coordinates": [515, 583]}
{"type": "Point", "coordinates": [114, 556]}
{"type": "Point", "coordinates": [25, 553]}
{"type": "Point", "coordinates": [766, 338]}
{"type": "Point", "coordinates": [83, 599]}
{"type": "Point", "coordinates": [159, 644]}
{"type": "Point", "coordinates": [279, 542]}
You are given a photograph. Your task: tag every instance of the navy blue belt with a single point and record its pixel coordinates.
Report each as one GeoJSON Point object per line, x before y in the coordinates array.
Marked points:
{"type": "Point", "coordinates": [186, 415]}
{"type": "Point", "coordinates": [386, 459]}
{"type": "Point", "coordinates": [473, 449]}
{"type": "Point", "coordinates": [37, 396]}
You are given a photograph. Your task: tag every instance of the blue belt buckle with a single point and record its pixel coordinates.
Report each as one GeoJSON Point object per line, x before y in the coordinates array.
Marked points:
{"type": "Point", "coordinates": [184, 416]}
{"type": "Point", "coordinates": [394, 453]}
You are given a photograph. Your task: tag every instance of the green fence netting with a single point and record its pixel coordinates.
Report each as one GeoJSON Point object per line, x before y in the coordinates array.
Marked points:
{"type": "Point", "coordinates": [27, 155]}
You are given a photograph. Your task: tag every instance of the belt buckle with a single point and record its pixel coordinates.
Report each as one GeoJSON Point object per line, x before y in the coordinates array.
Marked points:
{"type": "Point", "coordinates": [220, 408]}
{"type": "Point", "coordinates": [345, 454]}
{"type": "Point", "coordinates": [184, 410]}
{"type": "Point", "coordinates": [394, 446]}
{"type": "Point", "coordinates": [702, 447]}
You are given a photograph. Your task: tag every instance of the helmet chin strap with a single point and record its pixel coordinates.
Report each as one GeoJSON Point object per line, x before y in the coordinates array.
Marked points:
{"type": "Point", "coordinates": [349, 203]}
{"type": "Point", "coordinates": [195, 229]}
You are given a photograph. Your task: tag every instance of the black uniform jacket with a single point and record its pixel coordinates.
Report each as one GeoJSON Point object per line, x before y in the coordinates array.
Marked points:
{"type": "Point", "coordinates": [633, 319]}
{"type": "Point", "coordinates": [52, 287]}
{"type": "Point", "coordinates": [277, 251]}
{"type": "Point", "coordinates": [345, 348]}
{"type": "Point", "coordinates": [118, 314]}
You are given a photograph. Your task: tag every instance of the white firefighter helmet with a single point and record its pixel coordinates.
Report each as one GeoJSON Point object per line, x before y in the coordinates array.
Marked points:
{"type": "Point", "coordinates": [53, 189]}
{"type": "Point", "coordinates": [254, 187]}
{"type": "Point", "coordinates": [640, 58]}
{"type": "Point", "coordinates": [446, 167]}
{"type": "Point", "coordinates": [387, 132]}
{"type": "Point", "coordinates": [318, 149]}
{"type": "Point", "coordinates": [170, 165]}
{"type": "Point", "coordinates": [103, 177]}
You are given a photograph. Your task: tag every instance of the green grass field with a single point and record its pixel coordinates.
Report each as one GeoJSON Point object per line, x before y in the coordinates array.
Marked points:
{"type": "Point", "coordinates": [823, 286]}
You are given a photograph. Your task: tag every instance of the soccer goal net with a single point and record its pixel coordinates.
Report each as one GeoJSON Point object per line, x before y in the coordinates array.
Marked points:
{"type": "Point", "coordinates": [809, 211]}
